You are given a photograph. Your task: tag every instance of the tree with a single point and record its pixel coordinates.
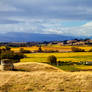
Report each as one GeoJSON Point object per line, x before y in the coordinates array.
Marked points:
{"type": "Point", "coordinates": [7, 48]}
{"type": "Point", "coordinates": [24, 51]}
{"type": "Point", "coordinates": [76, 49]}
{"type": "Point", "coordinates": [90, 50]}
{"type": "Point", "coordinates": [39, 49]}
{"type": "Point", "coordinates": [11, 55]}
{"type": "Point", "coordinates": [52, 60]}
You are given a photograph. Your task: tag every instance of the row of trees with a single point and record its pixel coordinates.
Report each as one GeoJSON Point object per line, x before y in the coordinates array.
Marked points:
{"type": "Point", "coordinates": [76, 49]}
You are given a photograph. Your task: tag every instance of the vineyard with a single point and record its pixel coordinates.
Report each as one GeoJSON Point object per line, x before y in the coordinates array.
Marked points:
{"type": "Point", "coordinates": [66, 57]}
{"type": "Point", "coordinates": [52, 47]}
{"type": "Point", "coordinates": [63, 57]}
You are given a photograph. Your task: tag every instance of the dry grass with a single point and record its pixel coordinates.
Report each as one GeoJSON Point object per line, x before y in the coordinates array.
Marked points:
{"type": "Point", "coordinates": [39, 80]}
{"type": "Point", "coordinates": [33, 66]}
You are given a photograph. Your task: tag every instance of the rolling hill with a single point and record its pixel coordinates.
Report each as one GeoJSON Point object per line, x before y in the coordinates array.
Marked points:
{"type": "Point", "coordinates": [38, 77]}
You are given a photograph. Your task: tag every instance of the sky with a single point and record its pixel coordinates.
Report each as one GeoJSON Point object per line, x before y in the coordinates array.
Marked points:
{"type": "Point", "coordinates": [65, 17]}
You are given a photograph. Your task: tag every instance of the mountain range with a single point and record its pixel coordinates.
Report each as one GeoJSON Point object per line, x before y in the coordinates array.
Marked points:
{"type": "Point", "coordinates": [26, 37]}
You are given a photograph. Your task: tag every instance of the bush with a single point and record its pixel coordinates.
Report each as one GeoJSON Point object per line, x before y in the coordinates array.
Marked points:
{"type": "Point", "coordinates": [65, 63]}
{"type": "Point", "coordinates": [50, 51]}
{"type": "Point", "coordinates": [24, 51]}
{"type": "Point", "coordinates": [76, 49]}
{"type": "Point", "coordinates": [7, 48]}
{"type": "Point", "coordinates": [18, 56]}
{"type": "Point", "coordinates": [40, 49]}
{"type": "Point", "coordinates": [11, 55]}
{"type": "Point", "coordinates": [52, 60]}
{"type": "Point", "coordinates": [90, 50]}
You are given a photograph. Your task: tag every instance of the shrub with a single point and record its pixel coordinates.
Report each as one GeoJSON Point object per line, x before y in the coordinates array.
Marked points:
{"type": "Point", "coordinates": [50, 51]}
{"type": "Point", "coordinates": [90, 50]}
{"type": "Point", "coordinates": [39, 49]}
{"type": "Point", "coordinates": [18, 56]}
{"type": "Point", "coordinates": [0, 51]}
{"type": "Point", "coordinates": [76, 49]}
{"type": "Point", "coordinates": [11, 55]}
{"type": "Point", "coordinates": [24, 51]}
{"type": "Point", "coordinates": [59, 63]}
{"type": "Point", "coordinates": [65, 63]}
{"type": "Point", "coordinates": [7, 48]}
{"type": "Point", "coordinates": [52, 60]}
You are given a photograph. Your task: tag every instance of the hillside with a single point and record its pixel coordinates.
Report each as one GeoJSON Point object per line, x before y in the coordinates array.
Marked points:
{"type": "Point", "coordinates": [34, 66]}
{"type": "Point", "coordinates": [36, 78]}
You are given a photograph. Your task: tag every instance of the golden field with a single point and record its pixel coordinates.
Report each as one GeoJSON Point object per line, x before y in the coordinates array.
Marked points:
{"type": "Point", "coordinates": [52, 47]}
{"type": "Point", "coordinates": [66, 57]}
{"type": "Point", "coordinates": [70, 56]}
{"type": "Point", "coordinates": [31, 75]}
{"type": "Point", "coordinates": [38, 77]}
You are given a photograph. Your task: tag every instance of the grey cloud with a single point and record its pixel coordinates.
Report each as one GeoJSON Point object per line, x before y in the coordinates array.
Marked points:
{"type": "Point", "coordinates": [44, 16]}
{"type": "Point", "coordinates": [61, 9]}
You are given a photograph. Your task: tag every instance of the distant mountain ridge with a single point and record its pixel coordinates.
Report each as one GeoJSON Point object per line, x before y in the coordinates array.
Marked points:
{"type": "Point", "coordinates": [20, 36]}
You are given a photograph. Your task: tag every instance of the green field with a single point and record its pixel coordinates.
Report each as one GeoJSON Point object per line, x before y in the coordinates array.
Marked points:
{"type": "Point", "coordinates": [72, 56]}
{"type": "Point", "coordinates": [66, 57]}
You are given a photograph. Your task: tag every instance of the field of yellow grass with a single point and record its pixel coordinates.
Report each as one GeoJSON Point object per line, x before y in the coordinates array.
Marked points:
{"type": "Point", "coordinates": [53, 47]}
{"type": "Point", "coordinates": [72, 56]}
{"type": "Point", "coordinates": [41, 57]}
{"type": "Point", "coordinates": [25, 48]}
{"type": "Point", "coordinates": [66, 57]}
{"type": "Point", "coordinates": [32, 75]}
{"type": "Point", "coordinates": [37, 79]}
{"type": "Point", "coordinates": [84, 68]}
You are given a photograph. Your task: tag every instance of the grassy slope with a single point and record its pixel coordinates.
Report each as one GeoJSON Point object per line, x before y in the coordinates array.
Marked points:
{"type": "Point", "coordinates": [41, 80]}
{"type": "Point", "coordinates": [34, 66]}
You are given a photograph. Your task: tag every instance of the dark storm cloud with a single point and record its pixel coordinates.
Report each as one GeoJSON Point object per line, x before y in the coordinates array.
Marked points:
{"type": "Point", "coordinates": [60, 9]}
